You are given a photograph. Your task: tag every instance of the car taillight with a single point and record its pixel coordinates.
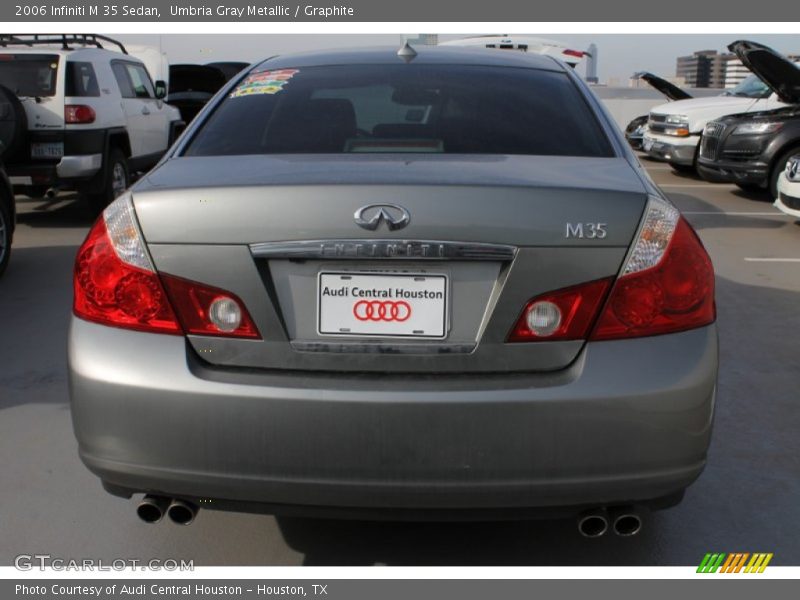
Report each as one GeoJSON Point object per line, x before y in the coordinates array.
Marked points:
{"type": "Point", "coordinates": [78, 113]}
{"type": "Point", "coordinates": [206, 310]}
{"type": "Point", "coordinates": [576, 53]}
{"type": "Point", "coordinates": [116, 284]}
{"type": "Point", "coordinates": [666, 285]}
{"type": "Point", "coordinates": [565, 314]}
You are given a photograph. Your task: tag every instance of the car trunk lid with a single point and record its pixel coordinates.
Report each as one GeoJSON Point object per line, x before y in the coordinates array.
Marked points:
{"type": "Point", "coordinates": [490, 233]}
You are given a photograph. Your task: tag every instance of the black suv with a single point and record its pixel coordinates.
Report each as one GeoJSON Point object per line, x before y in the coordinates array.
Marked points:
{"type": "Point", "coordinates": [752, 149]}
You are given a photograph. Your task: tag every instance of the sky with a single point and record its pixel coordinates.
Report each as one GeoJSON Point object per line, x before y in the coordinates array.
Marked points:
{"type": "Point", "coordinates": [619, 55]}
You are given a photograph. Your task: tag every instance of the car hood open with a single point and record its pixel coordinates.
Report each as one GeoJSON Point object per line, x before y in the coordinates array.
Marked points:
{"type": "Point", "coordinates": [671, 91]}
{"type": "Point", "coordinates": [774, 69]}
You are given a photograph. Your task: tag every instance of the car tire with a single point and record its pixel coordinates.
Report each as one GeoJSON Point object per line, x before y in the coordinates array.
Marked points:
{"type": "Point", "coordinates": [13, 123]}
{"type": "Point", "coordinates": [749, 187]}
{"type": "Point", "coordinates": [5, 236]}
{"type": "Point", "coordinates": [115, 182]}
{"type": "Point", "coordinates": [777, 168]}
{"type": "Point", "coordinates": [36, 192]}
{"type": "Point", "coordinates": [682, 168]}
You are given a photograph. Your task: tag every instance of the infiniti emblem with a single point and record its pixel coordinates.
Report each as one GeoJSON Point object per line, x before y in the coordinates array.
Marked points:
{"type": "Point", "coordinates": [371, 215]}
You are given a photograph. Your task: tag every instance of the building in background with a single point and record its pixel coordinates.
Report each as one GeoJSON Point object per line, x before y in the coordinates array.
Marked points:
{"type": "Point", "coordinates": [703, 69]}
{"type": "Point", "coordinates": [735, 73]}
{"type": "Point", "coordinates": [421, 39]}
{"type": "Point", "coordinates": [591, 64]}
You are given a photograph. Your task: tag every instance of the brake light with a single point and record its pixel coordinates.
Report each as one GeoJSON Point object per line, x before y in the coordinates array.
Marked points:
{"type": "Point", "coordinates": [116, 284]}
{"type": "Point", "coordinates": [667, 284]}
{"type": "Point", "coordinates": [78, 113]}
{"type": "Point", "coordinates": [561, 315]}
{"type": "Point", "coordinates": [206, 310]}
{"type": "Point", "coordinates": [576, 53]}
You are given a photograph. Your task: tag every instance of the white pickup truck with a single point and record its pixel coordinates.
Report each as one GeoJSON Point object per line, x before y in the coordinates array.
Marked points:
{"type": "Point", "coordinates": [674, 129]}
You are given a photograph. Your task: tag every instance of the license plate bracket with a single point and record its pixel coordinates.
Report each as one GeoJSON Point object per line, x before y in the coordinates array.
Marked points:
{"type": "Point", "coordinates": [382, 304]}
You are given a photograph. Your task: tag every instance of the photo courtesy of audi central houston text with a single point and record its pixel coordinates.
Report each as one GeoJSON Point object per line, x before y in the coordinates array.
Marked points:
{"type": "Point", "coordinates": [453, 298]}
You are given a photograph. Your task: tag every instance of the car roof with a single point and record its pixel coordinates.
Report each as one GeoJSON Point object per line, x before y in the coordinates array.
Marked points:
{"type": "Point", "coordinates": [78, 52]}
{"type": "Point", "coordinates": [452, 55]}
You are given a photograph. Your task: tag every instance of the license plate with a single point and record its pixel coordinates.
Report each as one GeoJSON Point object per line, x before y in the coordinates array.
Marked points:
{"type": "Point", "coordinates": [382, 305]}
{"type": "Point", "coordinates": [647, 144]}
{"type": "Point", "coordinates": [47, 150]}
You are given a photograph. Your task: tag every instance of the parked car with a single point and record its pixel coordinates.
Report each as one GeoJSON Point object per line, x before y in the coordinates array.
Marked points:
{"type": "Point", "coordinates": [674, 129]}
{"type": "Point", "coordinates": [634, 132]}
{"type": "Point", "coordinates": [312, 304]}
{"type": "Point", "coordinates": [523, 43]}
{"type": "Point", "coordinates": [89, 116]}
{"type": "Point", "coordinates": [788, 198]}
{"type": "Point", "coordinates": [192, 86]}
{"type": "Point", "coordinates": [7, 215]}
{"type": "Point", "coordinates": [752, 149]}
{"type": "Point", "coordinates": [229, 68]}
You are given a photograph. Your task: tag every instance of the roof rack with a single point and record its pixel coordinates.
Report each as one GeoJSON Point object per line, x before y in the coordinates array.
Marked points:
{"type": "Point", "coordinates": [66, 40]}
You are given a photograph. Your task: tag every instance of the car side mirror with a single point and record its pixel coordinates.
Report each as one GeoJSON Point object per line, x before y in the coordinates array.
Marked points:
{"type": "Point", "coordinates": [161, 89]}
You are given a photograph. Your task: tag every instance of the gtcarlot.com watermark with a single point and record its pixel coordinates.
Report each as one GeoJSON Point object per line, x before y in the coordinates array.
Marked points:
{"type": "Point", "coordinates": [42, 562]}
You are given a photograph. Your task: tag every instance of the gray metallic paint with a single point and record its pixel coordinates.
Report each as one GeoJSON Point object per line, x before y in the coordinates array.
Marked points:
{"type": "Point", "coordinates": [629, 420]}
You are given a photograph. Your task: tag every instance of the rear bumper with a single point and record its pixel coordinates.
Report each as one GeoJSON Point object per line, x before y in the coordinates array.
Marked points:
{"type": "Point", "coordinates": [68, 168]}
{"type": "Point", "coordinates": [629, 421]}
{"type": "Point", "coordinates": [751, 172]}
{"type": "Point", "coordinates": [679, 151]}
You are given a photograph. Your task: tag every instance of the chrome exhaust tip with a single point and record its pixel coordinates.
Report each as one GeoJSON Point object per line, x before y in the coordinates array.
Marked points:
{"type": "Point", "coordinates": [593, 523]}
{"type": "Point", "coordinates": [181, 512]}
{"type": "Point", "coordinates": [152, 508]}
{"type": "Point", "coordinates": [627, 521]}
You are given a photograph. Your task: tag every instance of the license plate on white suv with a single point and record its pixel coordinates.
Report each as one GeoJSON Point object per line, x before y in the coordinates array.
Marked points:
{"type": "Point", "coordinates": [382, 305]}
{"type": "Point", "coordinates": [47, 150]}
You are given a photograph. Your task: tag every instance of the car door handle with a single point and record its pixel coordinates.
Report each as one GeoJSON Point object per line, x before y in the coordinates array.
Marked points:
{"type": "Point", "coordinates": [145, 110]}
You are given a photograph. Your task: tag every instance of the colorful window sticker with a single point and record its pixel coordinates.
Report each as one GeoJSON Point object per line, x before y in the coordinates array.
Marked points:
{"type": "Point", "coordinates": [264, 82]}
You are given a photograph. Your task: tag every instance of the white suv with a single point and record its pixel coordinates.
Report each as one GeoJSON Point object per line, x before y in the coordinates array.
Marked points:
{"type": "Point", "coordinates": [82, 116]}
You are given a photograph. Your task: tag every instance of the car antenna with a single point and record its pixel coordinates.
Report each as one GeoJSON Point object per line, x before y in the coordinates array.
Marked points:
{"type": "Point", "coordinates": [407, 53]}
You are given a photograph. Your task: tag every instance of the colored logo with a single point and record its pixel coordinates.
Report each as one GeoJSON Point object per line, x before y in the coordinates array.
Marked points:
{"type": "Point", "coordinates": [736, 562]}
{"type": "Point", "coordinates": [377, 310]}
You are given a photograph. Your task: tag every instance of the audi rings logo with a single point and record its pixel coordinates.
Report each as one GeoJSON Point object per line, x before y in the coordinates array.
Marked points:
{"type": "Point", "coordinates": [792, 168]}
{"type": "Point", "coordinates": [382, 310]}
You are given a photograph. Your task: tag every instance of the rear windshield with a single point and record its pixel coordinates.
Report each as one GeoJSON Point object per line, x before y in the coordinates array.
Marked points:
{"type": "Point", "coordinates": [31, 75]}
{"type": "Point", "coordinates": [451, 109]}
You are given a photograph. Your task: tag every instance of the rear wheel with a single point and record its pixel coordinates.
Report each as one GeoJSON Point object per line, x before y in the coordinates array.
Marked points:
{"type": "Point", "coordinates": [13, 123]}
{"type": "Point", "coordinates": [777, 169]}
{"type": "Point", "coordinates": [115, 183]}
{"type": "Point", "coordinates": [5, 236]}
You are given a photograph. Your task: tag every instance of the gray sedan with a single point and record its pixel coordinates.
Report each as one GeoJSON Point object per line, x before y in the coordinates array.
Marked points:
{"type": "Point", "coordinates": [396, 285]}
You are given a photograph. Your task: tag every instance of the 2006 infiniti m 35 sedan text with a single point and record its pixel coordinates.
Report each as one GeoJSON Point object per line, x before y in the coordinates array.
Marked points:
{"type": "Point", "coordinates": [379, 284]}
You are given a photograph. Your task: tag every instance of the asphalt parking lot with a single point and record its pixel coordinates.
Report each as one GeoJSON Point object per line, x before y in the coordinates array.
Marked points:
{"type": "Point", "coordinates": [747, 500]}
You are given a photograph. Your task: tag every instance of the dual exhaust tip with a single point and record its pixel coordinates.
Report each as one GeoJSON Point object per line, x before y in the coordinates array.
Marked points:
{"type": "Point", "coordinates": [153, 508]}
{"type": "Point", "coordinates": [625, 521]}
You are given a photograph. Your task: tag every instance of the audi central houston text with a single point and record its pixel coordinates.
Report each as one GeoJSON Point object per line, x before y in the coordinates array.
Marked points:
{"type": "Point", "coordinates": [433, 282]}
